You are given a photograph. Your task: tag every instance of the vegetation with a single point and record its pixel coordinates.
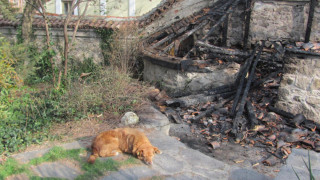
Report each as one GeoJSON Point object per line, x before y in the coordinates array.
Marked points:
{"type": "Point", "coordinates": [308, 166]}
{"type": "Point", "coordinates": [32, 98]}
{"type": "Point", "coordinates": [7, 10]}
{"type": "Point", "coordinates": [29, 103]}
{"type": "Point", "coordinates": [12, 167]}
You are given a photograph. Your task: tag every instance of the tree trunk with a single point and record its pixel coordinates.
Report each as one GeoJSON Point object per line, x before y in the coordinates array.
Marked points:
{"type": "Point", "coordinates": [44, 15]}
{"type": "Point", "coordinates": [27, 22]}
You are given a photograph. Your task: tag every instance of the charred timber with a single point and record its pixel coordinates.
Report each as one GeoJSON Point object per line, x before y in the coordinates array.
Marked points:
{"type": "Point", "coordinates": [297, 51]}
{"type": "Point", "coordinates": [225, 31]}
{"type": "Point", "coordinates": [239, 122]}
{"type": "Point", "coordinates": [310, 19]}
{"type": "Point", "coordinates": [220, 50]}
{"type": "Point", "coordinates": [211, 109]}
{"type": "Point", "coordinates": [251, 115]}
{"type": "Point", "coordinates": [185, 36]}
{"type": "Point", "coordinates": [222, 89]}
{"type": "Point", "coordinates": [242, 76]}
{"type": "Point", "coordinates": [230, 10]}
{"type": "Point", "coordinates": [309, 124]}
{"type": "Point", "coordinates": [247, 23]}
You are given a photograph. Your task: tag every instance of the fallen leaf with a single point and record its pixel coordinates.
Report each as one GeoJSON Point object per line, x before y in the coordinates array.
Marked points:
{"type": "Point", "coordinates": [258, 128]}
{"type": "Point", "coordinates": [239, 161]}
{"type": "Point", "coordinates": [256, 164]}
{"type": "Point", "coordinates": [215, 144]}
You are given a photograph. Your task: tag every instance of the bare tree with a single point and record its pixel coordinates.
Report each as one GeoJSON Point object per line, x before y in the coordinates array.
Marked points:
{"type": "Point", "coordinates": [38, 5]}
{"type": "Point", "coordinates": [26, 26]}
{"type": "Point", "coordinates": [75, 3]}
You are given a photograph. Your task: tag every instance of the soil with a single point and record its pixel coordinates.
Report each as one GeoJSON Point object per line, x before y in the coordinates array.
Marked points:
{"type": "Point", "coordinates": [228, 152]}
{"type": "Point", "coordinates": [231, 153]}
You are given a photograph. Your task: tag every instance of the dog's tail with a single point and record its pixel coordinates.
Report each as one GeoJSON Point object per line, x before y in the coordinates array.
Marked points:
{"type": "Point", "coordinates": [93, 156]}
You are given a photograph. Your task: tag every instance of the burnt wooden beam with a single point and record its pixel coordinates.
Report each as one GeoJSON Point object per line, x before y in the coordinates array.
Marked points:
{"type": "Point", "coordinates": [184, 36]}
{"type": "Point", "coordinates": [280, 112]}
{"type": "Point", "coordinates": [297, 51]}
{"type": "Point", "coordinates": [222, 89]}
{"type": "Point", "coordinates": [162, 41]}
{"type": "Point", "coordinates": [248, 11]}
{"type": "Point", "coordinates": [211, 109]}
{"type": "Point", "coordinates": [242, 76]}
{"type": "Point", "coordinates": [225, 31]}
{"type": "Point", "coordinates": [310, 20]}
{"type": "Point", "coordinates": [239, 122]}
{"type": "Point", "coordinates": [230, 10]}
{"type": "Point", "coordinates": [251, 114]}
{"type": "Point", "coordinates": [221, 50]}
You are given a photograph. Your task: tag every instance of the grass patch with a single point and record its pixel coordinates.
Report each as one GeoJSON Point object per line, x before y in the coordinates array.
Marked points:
{"type": "Point", "coordinates": [99, 168]}
{"type": "Point", "coordinates": [11, 167]}
{"type": "Point", "coordinates": [57, 153]}
{"type": "Point", "coordinates": [45, 178]}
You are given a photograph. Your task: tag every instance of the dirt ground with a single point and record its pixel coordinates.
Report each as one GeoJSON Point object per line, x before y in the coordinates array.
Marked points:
{"type": "Point", "coordinates": [230, 153]}
{"type": "Point", "coordinates": [245, 156]}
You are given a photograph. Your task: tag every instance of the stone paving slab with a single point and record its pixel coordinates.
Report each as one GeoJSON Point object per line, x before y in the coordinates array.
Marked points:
{"type": "Point", "coordinates": [295, 161]}
{"type": "Point", "coordinates": [177, 162]}
{"type": "Point", "coordinates": [57, 170]}
{"type": "Point", "coordinates": [139, 172]}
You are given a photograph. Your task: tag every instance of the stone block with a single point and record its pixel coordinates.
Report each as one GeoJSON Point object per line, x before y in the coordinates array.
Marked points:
{"type": "Point", "coordinates": [313, 101]}
{"type": "Point", "coordinates": [284, 93]}
{"type": "Point", "coordinates": [315, 85]}
{"type": "Point", "coordinates": [303, 82]}
{"type": "Point", "coordinates": [296, 161]}
{"type": "Point", "coordinates": [59, 169]}
{"type": "Point", "coordinates": [240, 174]}
{"type": "Point", "coordinates": [141, 172]}
{"type": "Point", "coordinates": [129, 118]}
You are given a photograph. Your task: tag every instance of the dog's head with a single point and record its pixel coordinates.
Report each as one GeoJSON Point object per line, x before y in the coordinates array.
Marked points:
{"type": "Point", "coordinates": [146, 154]}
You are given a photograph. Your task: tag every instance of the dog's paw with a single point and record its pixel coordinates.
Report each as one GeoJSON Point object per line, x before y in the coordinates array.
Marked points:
{"type": "Point", "coordinates": [158, 152]}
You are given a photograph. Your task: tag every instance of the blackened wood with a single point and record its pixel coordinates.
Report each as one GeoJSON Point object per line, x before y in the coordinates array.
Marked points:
{"type": "Point", "coordinates": [242, 76]}
{"type": "Point", "coordinates": [271, 75]}
{"type": "Point", "coordinates": [222, 89]}
{"type": "Point", "coordinates": [251, 115]}
{"type": "Point", "coordinates": [225, 31]}
{"type": "Point", "coordinates": [190, 100]}
{"type": "Point", "coordinates": [221, 50]}
{"type": "Point", "coordinates": [247, 23]}
{"type": "Point", "coordinates": [280, 112]}
{"type": "Point", "coordinates": [311, 125]}
{"type": "Point", "coordinates": [162, 41]}
{"type": "Point", "coordinates": [297, 51]}
{"type": "Point", "coordinates": [239, 122]}
{"type": "Point", "coordinates": [211, 109]}
{"type": "Point", "coordinates": [230, 10]}
{"type": "Point", "coordinates": [185, 36]}
{"type": "Point", "coordinates": [310, 19]}
{"type": "Point", "coordinates": [173, 116]}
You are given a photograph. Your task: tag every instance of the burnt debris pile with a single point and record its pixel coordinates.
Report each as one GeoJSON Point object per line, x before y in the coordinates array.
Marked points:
{"type": "Point", "coordinates": [241, 112]}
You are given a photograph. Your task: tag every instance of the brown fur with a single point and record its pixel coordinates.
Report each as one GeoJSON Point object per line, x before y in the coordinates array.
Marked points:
{"type": "Point", "coordinates": [128, 140]}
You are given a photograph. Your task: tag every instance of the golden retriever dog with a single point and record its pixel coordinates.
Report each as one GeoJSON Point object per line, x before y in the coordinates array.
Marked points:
{"type": "Point", "coordinates": [128, 140]}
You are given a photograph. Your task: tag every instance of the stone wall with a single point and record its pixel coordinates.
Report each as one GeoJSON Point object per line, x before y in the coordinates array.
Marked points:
{"type": "Point", "coordinates": [177, 82]}
{"type": "Point", "coordinates": [87, 43]}
{"type": "Point", "coordinates": [277, 21]}
{"type": "Point", "coordinates": [299, 90]}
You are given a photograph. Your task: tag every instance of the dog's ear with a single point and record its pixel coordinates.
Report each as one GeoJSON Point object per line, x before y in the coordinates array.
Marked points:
{"type": "Point", "coordinates": [140, 152]}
